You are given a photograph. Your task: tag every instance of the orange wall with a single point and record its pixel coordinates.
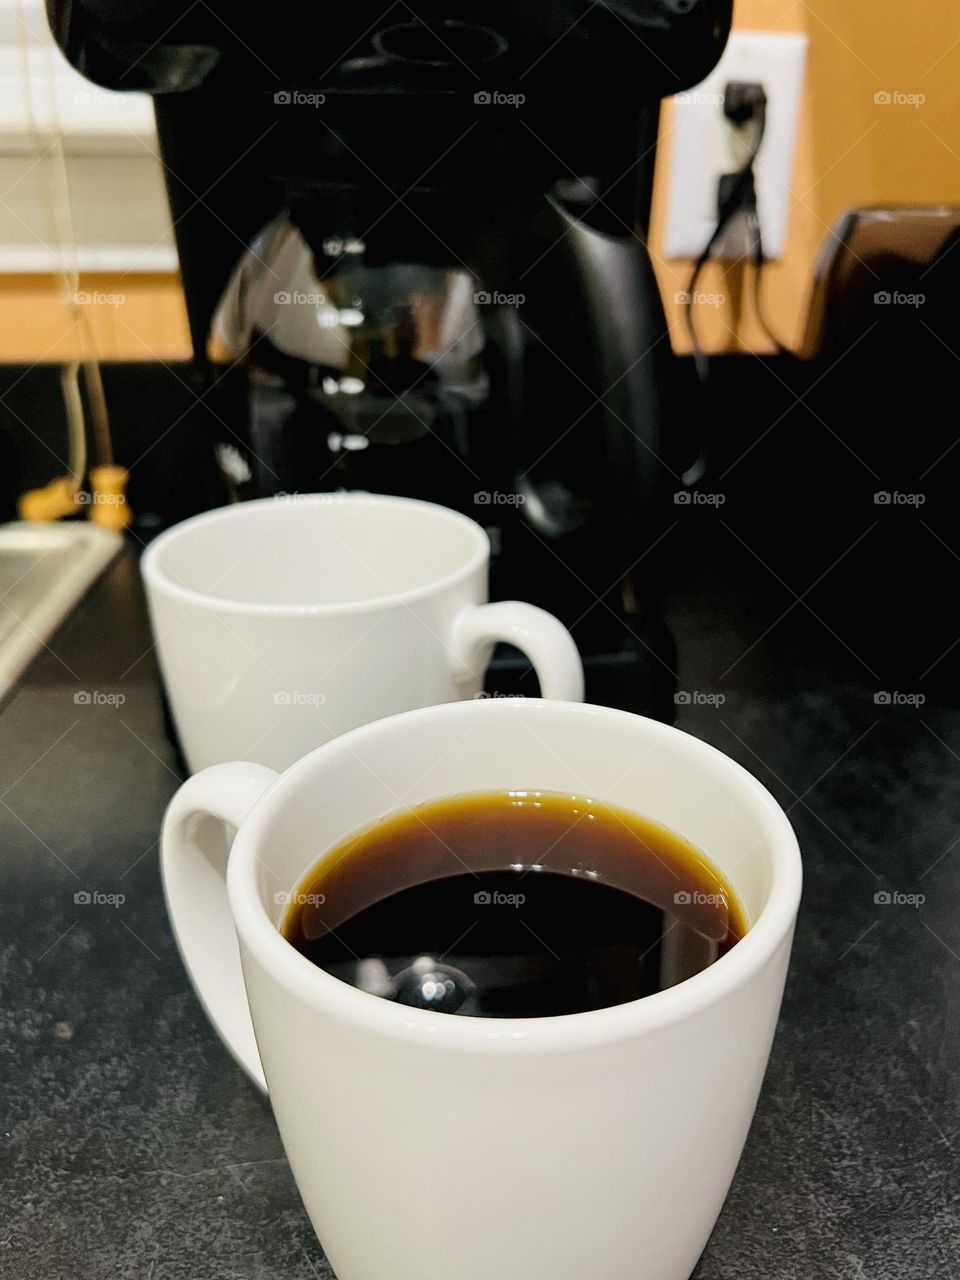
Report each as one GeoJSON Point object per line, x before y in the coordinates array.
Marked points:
{"type": "Point", "coordinates": [850, 150]}
{"type": "Point", "coordinates": [130, 317]}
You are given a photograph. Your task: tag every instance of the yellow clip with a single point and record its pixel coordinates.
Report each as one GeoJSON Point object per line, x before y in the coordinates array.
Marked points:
{"type": "Point", "coordinates": [55, 500]}
{"type": "Point", "coordinates": [108, 498]}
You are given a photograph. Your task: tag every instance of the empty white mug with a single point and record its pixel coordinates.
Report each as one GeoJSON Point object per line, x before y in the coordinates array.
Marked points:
{"type": "Point", "coordinates": [431, 1146]}
{"type": "Point", "coordinates": [283, 622]}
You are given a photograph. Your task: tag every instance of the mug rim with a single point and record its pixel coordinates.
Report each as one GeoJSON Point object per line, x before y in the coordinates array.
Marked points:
{"type": "Point", "coordinates": [158, 579]}
{"type": "Point", "coordinates": [371, 1014]}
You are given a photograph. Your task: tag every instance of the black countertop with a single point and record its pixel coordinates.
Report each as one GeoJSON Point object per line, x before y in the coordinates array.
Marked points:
{"type": "Point", "coordinates": [132, 1146]}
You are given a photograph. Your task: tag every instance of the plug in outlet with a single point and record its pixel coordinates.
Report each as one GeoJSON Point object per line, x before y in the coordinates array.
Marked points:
{"type": "Point", "coordinates": [705, 145]}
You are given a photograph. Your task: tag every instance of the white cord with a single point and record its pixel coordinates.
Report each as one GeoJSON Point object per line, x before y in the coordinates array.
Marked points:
{"type": "Point", "coordinates": [57, 195]}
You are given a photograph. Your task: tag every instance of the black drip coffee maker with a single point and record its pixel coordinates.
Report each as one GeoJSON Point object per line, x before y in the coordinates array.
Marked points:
{"type": "Point", "coordinates": [412, 245]}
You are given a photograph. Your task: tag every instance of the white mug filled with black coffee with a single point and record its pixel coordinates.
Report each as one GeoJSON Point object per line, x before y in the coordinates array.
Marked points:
{"type": "Point", "coordinates": [511, 971]}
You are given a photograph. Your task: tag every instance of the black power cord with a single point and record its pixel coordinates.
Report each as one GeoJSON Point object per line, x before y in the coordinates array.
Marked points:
{"type": "Point", "coordinates": [744, 103]}
{"type": "Point", "coordinates": [753, 224]}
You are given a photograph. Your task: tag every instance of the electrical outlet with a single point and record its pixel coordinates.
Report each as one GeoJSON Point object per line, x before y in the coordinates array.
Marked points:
{"type": "Point", "coordinates": [704, 145]}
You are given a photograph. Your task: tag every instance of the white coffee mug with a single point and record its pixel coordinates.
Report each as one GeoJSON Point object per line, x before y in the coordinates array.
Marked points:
{"type": "Point", "coordinates": [431, 1146]}
{"type": "Point", "coordinates": [283, 622]}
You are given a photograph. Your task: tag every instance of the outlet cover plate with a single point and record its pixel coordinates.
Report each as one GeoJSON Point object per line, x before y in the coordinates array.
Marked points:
{"type": "Point", "coordinates": [703, 144]}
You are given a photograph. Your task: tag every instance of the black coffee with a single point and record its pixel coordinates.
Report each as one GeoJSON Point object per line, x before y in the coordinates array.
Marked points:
{"type": "Point", "coordinates": [514, 904]}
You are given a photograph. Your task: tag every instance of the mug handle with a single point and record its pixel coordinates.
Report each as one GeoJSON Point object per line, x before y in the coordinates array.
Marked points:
{"type": "Point", "coordinates": [542, 637]}
{"type": "Point", "coordinates": [198, 830]}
